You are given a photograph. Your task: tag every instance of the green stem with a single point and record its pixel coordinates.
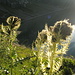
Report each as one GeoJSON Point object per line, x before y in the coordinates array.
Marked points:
{"type": "Point", "coordinates": [11, 66]}
{"type": "Point", "coordinates": [52, 58]}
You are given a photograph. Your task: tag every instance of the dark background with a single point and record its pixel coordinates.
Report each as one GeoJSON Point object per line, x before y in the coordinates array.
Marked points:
{"type": "Point", "coordinates": [35, 14]}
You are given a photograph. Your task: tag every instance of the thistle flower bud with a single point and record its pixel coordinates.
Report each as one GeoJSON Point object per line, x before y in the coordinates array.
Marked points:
{"type": "Point", "coordinates": [42, 36]}
{"type": "Point", "coordinates": [14, 22]}
{"type": "Point", "coordinates": [62, 29]}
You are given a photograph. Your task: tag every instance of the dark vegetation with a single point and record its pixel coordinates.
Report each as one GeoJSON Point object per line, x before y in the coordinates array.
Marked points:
{"type": "Point", "coordinates": [68, 67]}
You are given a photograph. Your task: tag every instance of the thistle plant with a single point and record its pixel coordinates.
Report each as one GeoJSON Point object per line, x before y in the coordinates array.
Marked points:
{"type": "Point", "coordinates": [9, 31]}
{"type": "Point", "coordinates": [51, 44]}
{"type": "Point", "coordinates": [8, 34]}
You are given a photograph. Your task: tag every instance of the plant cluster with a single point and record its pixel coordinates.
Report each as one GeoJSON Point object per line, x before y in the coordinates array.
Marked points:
{"type": "Point", "coordinates": [46, 55]}
{"type": "Point", "coordinates": [51, 44]}
{"type": "Point", "coordinates": [8, 35]}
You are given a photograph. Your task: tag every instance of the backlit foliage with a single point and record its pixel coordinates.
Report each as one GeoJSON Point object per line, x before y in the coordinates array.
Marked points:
{"type": "Point", "coordinates": [51, 44]}
{"type": "Point", "coordinates": [46, 55]}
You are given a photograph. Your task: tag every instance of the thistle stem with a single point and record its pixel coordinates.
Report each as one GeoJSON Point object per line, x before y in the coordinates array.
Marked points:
{"type": "Point", "coordinates": [52, 58]}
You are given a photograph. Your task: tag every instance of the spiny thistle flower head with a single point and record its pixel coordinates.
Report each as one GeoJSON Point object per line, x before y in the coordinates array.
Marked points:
{"type": "Point", "coordinates": [42, 36]}
{"type": "Point", "coordinates": [14, 22]}
{"type": "Point", "coordinates": [61, 29]}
